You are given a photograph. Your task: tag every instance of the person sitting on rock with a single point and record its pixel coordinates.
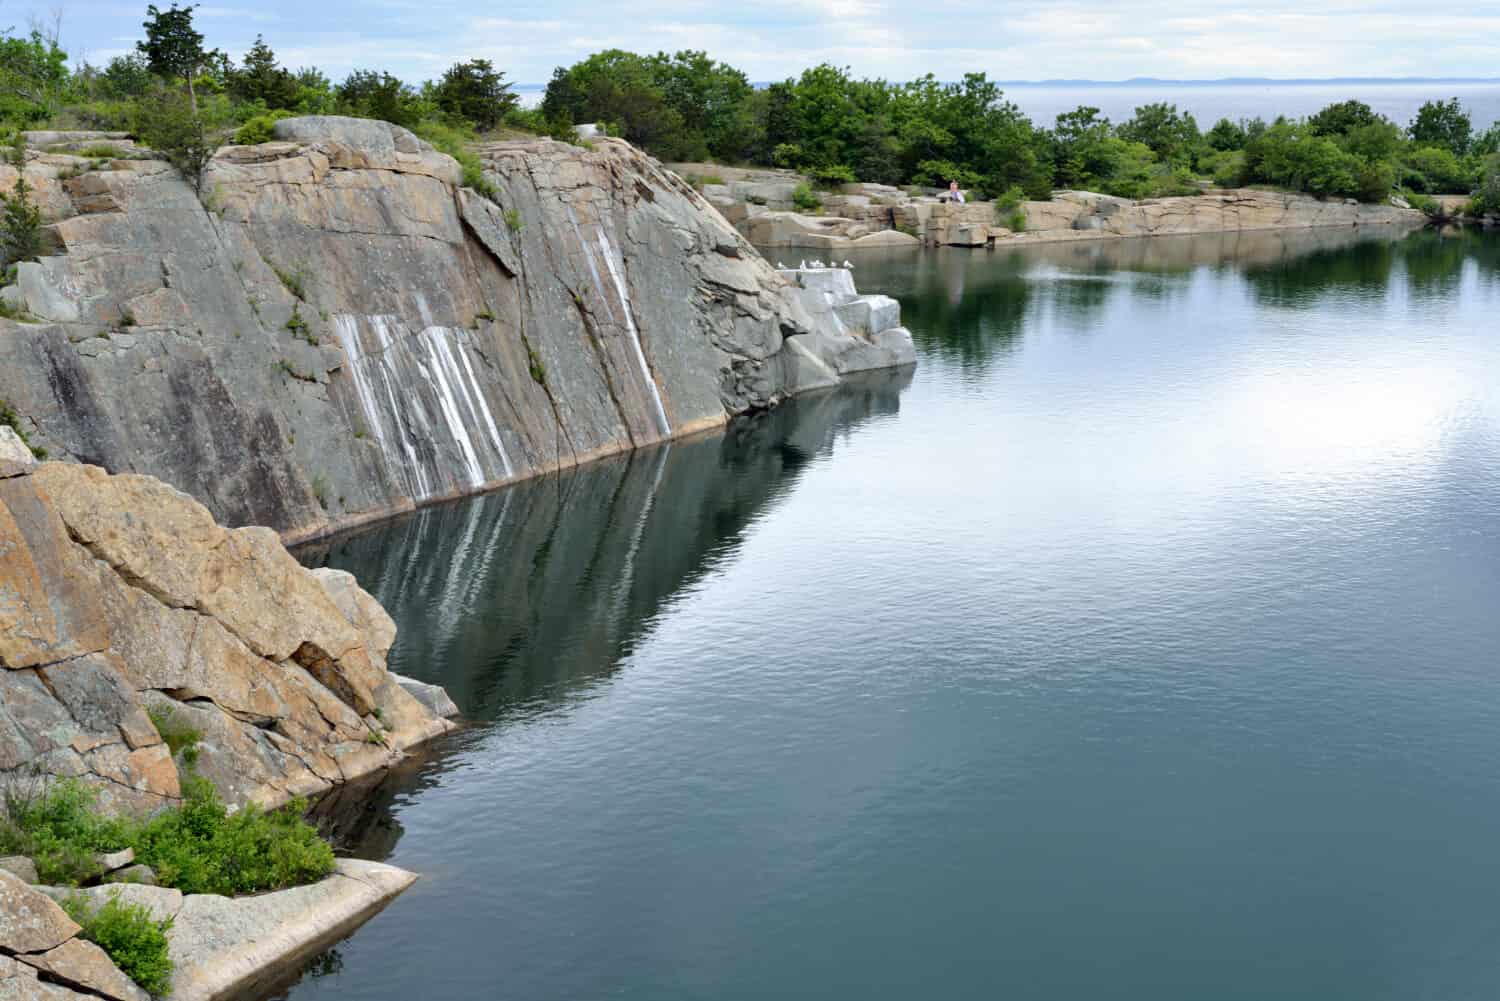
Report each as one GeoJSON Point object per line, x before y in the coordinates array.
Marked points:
{"type": "Point", "coordinates": [954, 195]}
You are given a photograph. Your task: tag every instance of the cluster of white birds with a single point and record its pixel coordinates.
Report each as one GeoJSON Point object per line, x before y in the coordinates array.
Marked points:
{"type": "Point", "coordinates": [805, 265]}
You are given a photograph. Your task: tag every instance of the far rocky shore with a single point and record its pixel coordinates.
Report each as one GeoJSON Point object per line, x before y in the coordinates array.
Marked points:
{"type": "Point", "coordinates": [762, 205]}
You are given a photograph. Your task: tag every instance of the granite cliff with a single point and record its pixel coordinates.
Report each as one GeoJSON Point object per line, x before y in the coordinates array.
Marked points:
{"type": "Point", "coordinates": [335, 328]}
{"type": "Point", "coordinates": [124, 605]}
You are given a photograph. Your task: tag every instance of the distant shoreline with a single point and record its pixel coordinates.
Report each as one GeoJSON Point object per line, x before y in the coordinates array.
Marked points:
{"type": "Point", "coordinates": [1245, 81]}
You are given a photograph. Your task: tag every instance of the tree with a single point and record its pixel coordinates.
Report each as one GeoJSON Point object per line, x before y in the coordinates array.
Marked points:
{"type": "Point", "coordinates": [1442, 123]}
{"type": "Point", "coordinates": [1168, 133]}
{"type": "Point", "coordinates": [262, 79]}
{"type": "Point", "coordinates": [368, 94]}
{"type": "Point", "coordinates": [1345, 116]}
{"type": "Point", "coordinates": [475, 92]}
{"type": "Point", "coordinates": [174, 128]}
{"type": "Point", "coordinates": [1079, 147]}
{"type": "Point", "coordinates": [20, 220]}
{"type": "Point", "coordinates": [32, 72]}
{"type": "Point", "coordinates": [173, 47]}
{"type": "Point", "coordinates": [1226, 136]}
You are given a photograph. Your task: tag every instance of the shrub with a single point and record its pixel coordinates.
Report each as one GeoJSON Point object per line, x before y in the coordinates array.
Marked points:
{"type": "Point", "coordinates": [804, 199]}
{"type": "Point", "coordinates": [167, 124]}
{"type": "Point", "coordinates": [455, 142]}
{"type": "Point", "coordinates": [1436, 170]}
{"type": "Point", "coordinates": [259, 129]}
{"type": "Point", "coordinates": [1421, 202]}
{"type": "Point", "coordinates": [134, 941]}
{"type": "Point", "coordinates": [1486, 200]}
{"type": "Point", "coordinates": [201, 848]}
{"type": "Point", "coordinates": [832, 176]}
{"type": "Point", "coordinates": [59, 828]}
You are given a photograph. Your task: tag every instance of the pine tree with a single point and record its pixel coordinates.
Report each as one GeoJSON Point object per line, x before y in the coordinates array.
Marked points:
{"type": "Point", "coordinates": [20, 220]}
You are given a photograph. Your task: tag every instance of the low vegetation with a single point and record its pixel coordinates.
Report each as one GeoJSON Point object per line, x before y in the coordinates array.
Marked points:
{"type": "Point", "coordinates": [134, 941]}
{"type": "Point", "coordinates": [197, 847]}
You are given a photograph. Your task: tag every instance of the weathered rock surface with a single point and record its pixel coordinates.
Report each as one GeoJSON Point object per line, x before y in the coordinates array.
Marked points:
{"type": "Point", "coordinates": [856, 332]}
{"type": "Point", "coordinates": [30, 922]}
{"type": "Point", "coordinates": [759, 205]}
{"type": "Point", "coordinates": [336, 330]}
{"type": "Point", "coordinates": [220, 947]}
{"type": "Point", "coordinates": [19, 866]}
{"type": "Point", "coordinates": [87, 968]}
{"type": "Point", "coordinates": [223, 947]}
{"type": "Point", "coordinates": [119, 594]}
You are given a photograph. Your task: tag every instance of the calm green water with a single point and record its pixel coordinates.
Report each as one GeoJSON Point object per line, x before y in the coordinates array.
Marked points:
{"type": "Point", "coordinates": [1141, 644]}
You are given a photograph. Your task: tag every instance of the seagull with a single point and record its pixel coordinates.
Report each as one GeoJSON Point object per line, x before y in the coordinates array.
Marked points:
{"type": "Point", "coordinates": [848, 265]}
{"type": "Point", "coordinates": [780, 266]}
{"type": "Point", "coordinates": [803, 265]}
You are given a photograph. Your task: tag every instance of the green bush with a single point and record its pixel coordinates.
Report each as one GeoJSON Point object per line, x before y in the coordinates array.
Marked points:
{"type": "Point", "coordinates": [134, 941]}
{"type": "Point", "coordinates": [455, 142]}
{"type": "Point", "coordinates": [832, 176]}
{"type": "Point", "coordinates": [198, 847]}
{"type": "Point", "coordinates": [1436, 171]}
{"type": "Point", "coordinates": [1486, 200]}
{"type": "Point", "coordinates": [58, 827]}
{"type": "Point", "coordinates": [257, 130]}
{"type": "Point", "coordinates": [201, 848]}
{"type": "Point", "coordinates": [1420, 202]}
{"type": "Point", "coordinates": [804, 199]}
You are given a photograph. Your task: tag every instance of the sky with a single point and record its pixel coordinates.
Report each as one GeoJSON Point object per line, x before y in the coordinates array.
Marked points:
{"type": "Point", "coordinates": [896, 39]}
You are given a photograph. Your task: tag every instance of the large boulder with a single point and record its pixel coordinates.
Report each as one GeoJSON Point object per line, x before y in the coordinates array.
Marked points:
{"type": "Point", "coordinates": [130, 605]}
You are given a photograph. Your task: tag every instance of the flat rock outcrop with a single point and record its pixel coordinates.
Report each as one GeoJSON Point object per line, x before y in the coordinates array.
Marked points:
{"type": "Point", "coordinates": [121, 599]}
{"type": "Point", "coordinates": [759, 204]}
{"type": "Point", "coordinates": [333, 329]}
{"type": "Point", "coordinates": [220, 947]}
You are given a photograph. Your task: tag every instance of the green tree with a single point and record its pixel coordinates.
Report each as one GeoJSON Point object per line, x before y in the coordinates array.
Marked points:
{"type": "Point", "coordinates": [1337, 119]}
{"type": "Point", "coordinates": [174, 128]}
{"type": "Point", "coordinates": [261, 79]}
{"type": "Point", "coordinates": [475, 92]}
{"type": "Point", "coordinates": [173, 47]}
{"type": "Point", "coordinates": [1226, 136]}
{"type": "Point", "coordinates": [1081, 148]}
{"type": "Point", "coordinates": [371, 94]}
{"type": "Point", "coordinates": [33, 71]}
{"type": "Point", "coordinates": [1442, 123]}
{"type": "Point", "coordinates": [1167, 132]}
{"type": "Point", "coordinates": [20, 220]}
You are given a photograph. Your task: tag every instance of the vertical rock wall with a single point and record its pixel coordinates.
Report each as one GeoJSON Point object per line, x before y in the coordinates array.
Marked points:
{"type": "Point", "coordinates": [335, 329]}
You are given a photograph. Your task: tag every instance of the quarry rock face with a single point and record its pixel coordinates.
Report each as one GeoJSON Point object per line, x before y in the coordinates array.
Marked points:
{"type": "Point", "coordinates": [331, 328]}
{"type": "Point", "coordinates": [125, 609]}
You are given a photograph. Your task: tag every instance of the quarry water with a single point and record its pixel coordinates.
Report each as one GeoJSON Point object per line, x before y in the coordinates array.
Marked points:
{"type": "Point", "coordinates": [1142, 643]}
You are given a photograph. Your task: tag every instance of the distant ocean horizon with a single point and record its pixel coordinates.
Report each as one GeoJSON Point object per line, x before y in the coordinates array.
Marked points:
{"type": "Point", "coordinates": [1209, 100]}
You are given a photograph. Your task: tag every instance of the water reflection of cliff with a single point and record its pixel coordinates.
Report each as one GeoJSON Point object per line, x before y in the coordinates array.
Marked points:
{"type": "Point", "coordinates": [971, 306]}
{"type": "Point", "coordinates": [514, 600]}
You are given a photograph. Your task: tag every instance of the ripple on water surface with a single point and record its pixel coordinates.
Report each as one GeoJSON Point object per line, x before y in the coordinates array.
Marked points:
{"type": "Point", "coordinates": [1140, 644]}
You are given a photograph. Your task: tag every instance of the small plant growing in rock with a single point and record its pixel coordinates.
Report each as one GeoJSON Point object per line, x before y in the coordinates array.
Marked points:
{"type": "Point", "coordinates": [320, 490]}
{"type": "Point", "coordinates": [299, 326]}
{"type": "Point", "coordinates": [537, 366]}
{"type": "Point", "coordinates": [9, 418]}
{"type": "Point", "coordinates": [179, 735]}
{"type": "Point", "coordinates": [513, 220]}
{"type": "Point", "coordinates": [293, 281]}
{"type": "Point", "coordinates": [133, 940]}
{"type": "Point", "coordinates": [804, 199]}
{"type": "Point", "coordinates": [20, 220]}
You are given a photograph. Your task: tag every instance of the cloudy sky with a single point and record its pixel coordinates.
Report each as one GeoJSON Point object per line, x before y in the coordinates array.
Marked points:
{"type": "Point", "coordinates": [770, 39]}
